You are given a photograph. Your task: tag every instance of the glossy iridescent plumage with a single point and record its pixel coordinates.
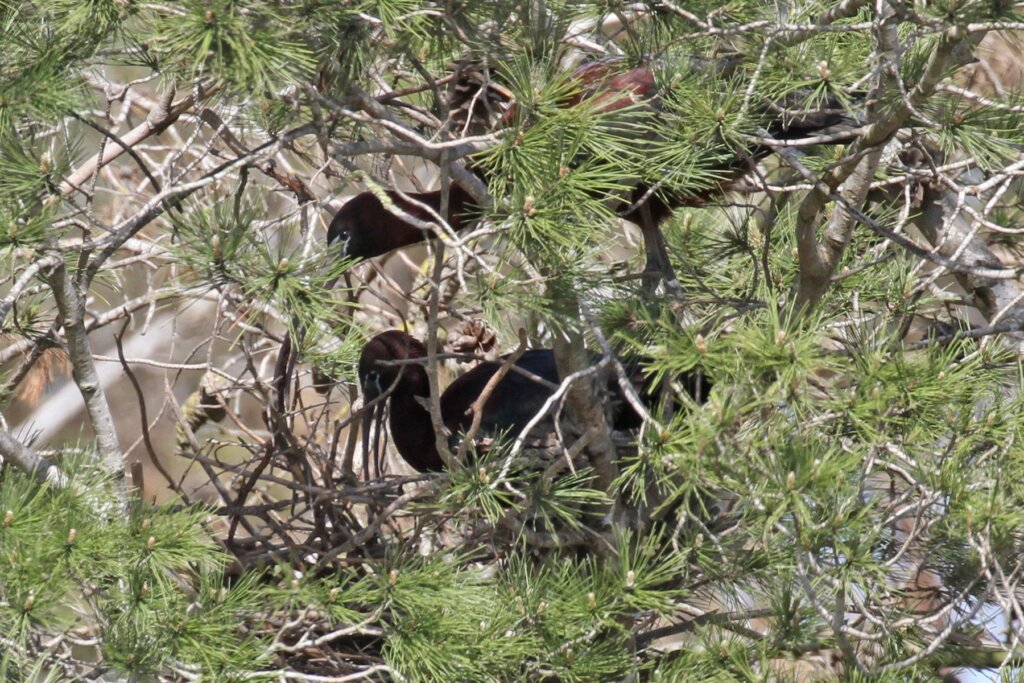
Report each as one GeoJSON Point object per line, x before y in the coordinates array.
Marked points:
{"type": "Point", "coordinates": [509, 408]}
{"type": "Point", "coordinates": [365, 228]}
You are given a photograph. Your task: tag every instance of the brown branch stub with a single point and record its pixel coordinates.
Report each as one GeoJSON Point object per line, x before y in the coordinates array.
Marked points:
{"type": "Point", "coordinates": [290, 181]}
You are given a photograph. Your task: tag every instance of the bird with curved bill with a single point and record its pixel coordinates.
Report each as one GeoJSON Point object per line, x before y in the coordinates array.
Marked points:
{"type": "Point", "coordinates": [392, 375]}
{"type": "Point", "coordinates": [371, 224]}
{"type": "Point", "coordinates": [367, 227]}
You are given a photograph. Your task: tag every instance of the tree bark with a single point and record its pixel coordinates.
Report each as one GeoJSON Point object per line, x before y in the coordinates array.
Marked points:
{"type": "Point", "coordinates": [71, 304]}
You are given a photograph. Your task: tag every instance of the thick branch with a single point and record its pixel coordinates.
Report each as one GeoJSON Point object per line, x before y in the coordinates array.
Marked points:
{"type": "Point", "coordinates": [71, 304]}
{"type": "Point", "coordinates": [817, 262]}
{"type": "Point", "coordinates": [29, 461]}
{"type": "Point", "coordinates": [585, 407]}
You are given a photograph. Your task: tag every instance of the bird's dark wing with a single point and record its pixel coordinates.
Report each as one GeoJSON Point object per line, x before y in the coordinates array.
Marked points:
{"type": "Point", "coordinates": [511, 405]}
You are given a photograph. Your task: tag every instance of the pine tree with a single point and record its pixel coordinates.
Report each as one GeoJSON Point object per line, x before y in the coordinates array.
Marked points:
{"type": "Point", "coordinates": [806, 210]}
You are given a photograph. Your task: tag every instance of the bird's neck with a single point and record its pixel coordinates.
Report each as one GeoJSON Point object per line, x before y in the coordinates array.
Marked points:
{"type": "Point", "coordinates": [458, 203]}
{"type": "Point", "coordinates": [412, 430]}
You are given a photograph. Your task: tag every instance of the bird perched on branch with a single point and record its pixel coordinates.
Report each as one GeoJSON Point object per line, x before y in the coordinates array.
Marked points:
{"type": "Point", "coordinates": [389, 373]}
{"type": "Point", "coordinates": [366, 226]}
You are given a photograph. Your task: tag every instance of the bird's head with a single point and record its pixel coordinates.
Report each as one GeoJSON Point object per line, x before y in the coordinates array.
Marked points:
{"type": "Point", "coordinates": [380, 378]}
{"type": "Point", "coordinates": [348, 235]}
{"type": "Point", "coordinates": [365, 228]}
{"type": "Point", "coordinates": [377, 371]}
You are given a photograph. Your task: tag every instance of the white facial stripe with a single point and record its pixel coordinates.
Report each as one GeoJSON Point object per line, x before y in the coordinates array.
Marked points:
{"type": "Point", "coordinates": [372, 381]}
{"type": "Point", "coordinates": [341, 243]}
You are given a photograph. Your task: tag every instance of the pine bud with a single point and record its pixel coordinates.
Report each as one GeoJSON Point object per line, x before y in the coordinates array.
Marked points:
{"type": "Point", "coordinates": [780, 338]}
{"type": "Point", "coordinates": [483, 476]}
{"type": "Point", "coordinates": [392, 578]}
{"type": "Point", "coordinates": [282, 265]}
{"type": "Point", "coordinates": [591, 600]}
{"type": "Point", "coordinates": [146, 523]}
{"type": "Point", "coordinates": [790, 481]}
{"type": "Point", "coordinates": [698, 541]}
{"type": "Point", "coordinates": [700, 344]}
{"type": "Point", "coordinates": [29, 601]}
{"type": "Point", "coordinates": [630, 578]}
{"type": "Point", "coordinates": [541, 606]}
{"type": "Point", "coordinates": [150, 542]}
{"type": "Point", "coordinates": [72, 535]}
{"type": "Point", "coordinates": [824, 70]}
{"type": "Point", "coordinates": [8, 518]}
{"type": "Point", "coordinates": [332, 596]}
{"type": "Point", "coordinates": [528, 206]}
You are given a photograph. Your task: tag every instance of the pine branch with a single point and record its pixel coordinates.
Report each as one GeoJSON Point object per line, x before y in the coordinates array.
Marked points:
{"type": "Point", "coordinates": [71, 304]}
{"type": "Point", "coordinates": [29, 461]}
{"type": "Point", "coordinates": [953, 232]}
{"type": "Point", "coordinates": [157, 121]}
{"type": "Point", "coordinates": [816, 262]}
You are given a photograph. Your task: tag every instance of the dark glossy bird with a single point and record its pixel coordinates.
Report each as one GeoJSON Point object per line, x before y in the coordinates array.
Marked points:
{"type": "Point", "coordinates": [365, 228]}
{"type": "Point", "coordinates": [511, 406]}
